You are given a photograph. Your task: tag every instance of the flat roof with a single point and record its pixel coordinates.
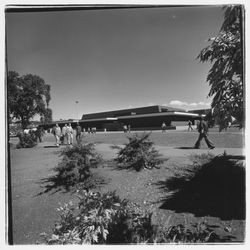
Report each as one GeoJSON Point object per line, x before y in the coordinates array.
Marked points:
{"type": "Point", "coordinates": [159, 114]}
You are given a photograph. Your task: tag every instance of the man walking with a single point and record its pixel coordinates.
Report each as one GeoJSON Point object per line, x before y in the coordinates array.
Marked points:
{"type": "Point", "coordinates": [78, 132]}
{"type": "Point", "coordinates": [57, 134]}
{"type": "Point", "coordinates": [163, 127]}
{"type": "Point", "coordinates": [64, 129]}
{"type": "Point", "coordinates": [125, 128]}
{"type": "Point", "coordinates": [203, 129]}
{"type": "Point", "coordinates": [69, 133]}
{"type": "Point", "coordinates": [190, 125]}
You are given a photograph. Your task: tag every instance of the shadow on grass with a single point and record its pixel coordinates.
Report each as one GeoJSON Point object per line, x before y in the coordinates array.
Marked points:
{"type": "Point", "coordinates": [215, 188]}
{"type": "Point", "coordinates": [114, 165]}
{"type": "Point", "coordinates": [51, 146]}
{"type": "Point", "coordinates": [185, 147]}
{"type": "Point", "coordinates": [55, 183]}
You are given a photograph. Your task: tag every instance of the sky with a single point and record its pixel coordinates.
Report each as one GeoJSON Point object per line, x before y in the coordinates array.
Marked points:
{"type": "Point", "coordinates": [112, 59]}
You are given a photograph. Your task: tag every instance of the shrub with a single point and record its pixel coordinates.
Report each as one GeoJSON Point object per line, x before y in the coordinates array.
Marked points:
{"type": "Point", "coordinates": [82, 153]}
{"type": "Point", "coordinates": [90, 222]}
{"type": "Point", "coordinates": [138, 153]}
{"type": "Point", "coordinates": [27, 140]}
{"type": "Point", "coordinates": [76, 163]}
{"type": "Point", "coordinates": [106, 219]}
{"type": "Point", "coordinates": [200, 233]}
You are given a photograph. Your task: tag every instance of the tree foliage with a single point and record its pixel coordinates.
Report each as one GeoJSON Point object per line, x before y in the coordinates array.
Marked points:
{"type": "Point", "coordinates": [28, 96]}
{"type": "Point", "coordinates": [47, 116]}
{"type": "Point", "coordinates": [225, 77]}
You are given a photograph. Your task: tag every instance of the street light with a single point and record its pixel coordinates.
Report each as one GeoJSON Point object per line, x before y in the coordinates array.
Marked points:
{"type": "Point", "coordinates": [76, 110]}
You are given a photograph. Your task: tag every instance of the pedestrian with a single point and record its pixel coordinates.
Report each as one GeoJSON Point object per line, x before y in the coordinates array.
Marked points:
{"type": "Point", "coordinates": [129, 128]}
{"type": "Point", "coordinates": [57, 134]}
{"type": "Point", "coordinates": [163, 127]}
{"type": "Point", "coordinates": [190, 125]}
{"type": "Point", "coordinates": [93, 130]}
{"type": "Point", "coordinates": [197, 125]}
{"type": "Point", "coordinates": [203, 130]}
{"type": "Point", "coordinates": [89, 130]}
{"type": "Point", "coordinates": [78, 132]}
{"type": "Point", "coordinates": [69, 133]}
{"type": "Point", "coordinates": [125, 128]}
{"type": "Point", "coordinates": [39, 133]}
{"type": "Point", "coordinates": [64, 129]}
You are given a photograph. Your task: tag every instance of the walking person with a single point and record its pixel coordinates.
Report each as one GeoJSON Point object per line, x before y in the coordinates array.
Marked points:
{"type": "Point", "coordinates": [163, 127]}
{"type": "Point", "coordinates": [190, 125]}
{"type": "Point", "coordinates": [39, 133]}
{"type": "Point", "coordinates": [129, 128]}
{"type": "Point", "coordinates": [78, 133]}
{"type": "Point", "coordinates": [197, 125]}
{"type": "Point", "coordinates": [125, 128]}
{"type": "Point", "coordinates": [203, 130]}
{"type": "Point", "coordinates": [57, 134]}
{"type": "Point", "coordinates": [69, 133]}
{"type": "Point", "coordinates": [64, 129]}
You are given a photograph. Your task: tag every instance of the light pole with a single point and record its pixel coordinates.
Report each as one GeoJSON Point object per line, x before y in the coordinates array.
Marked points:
{"type": "Point", "coordinates": [76, 110]}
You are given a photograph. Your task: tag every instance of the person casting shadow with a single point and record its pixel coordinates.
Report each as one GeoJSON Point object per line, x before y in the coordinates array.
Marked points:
{"type": "Point", "coordinates": [203, 129]}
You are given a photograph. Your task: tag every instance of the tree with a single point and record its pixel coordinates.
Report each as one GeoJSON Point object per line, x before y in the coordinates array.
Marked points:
{"type": "Point", "coordinates": [47, 117]}
{"type": "Point", "coordinates": [225, 77]}
{"type": "Point", "coordinates": [28, 96]}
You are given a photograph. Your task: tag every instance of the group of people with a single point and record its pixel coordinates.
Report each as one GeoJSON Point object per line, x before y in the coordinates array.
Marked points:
{"type": "Point", "coordinates": [65, 135]}
{"type": "Point", "coordinates": [37, 131]}
{"type": "Point", "coordinates": [91, 130]}
{"type": "Point", "coordinates": [126, 129]}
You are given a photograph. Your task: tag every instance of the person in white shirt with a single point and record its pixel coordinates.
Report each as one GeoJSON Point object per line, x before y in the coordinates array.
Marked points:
{"type": "Point", "coordinates": [57, 134]}
{"type": "Point", "coordinates": [64, 128]}
{"type": "Point", "coordinates": [69, 133]}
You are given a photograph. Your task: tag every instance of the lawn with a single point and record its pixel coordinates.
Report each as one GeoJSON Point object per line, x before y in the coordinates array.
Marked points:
{"type": "Point", "coordinates": [34, 210]}
{"type": "Point", "coordinates": [230, 139]}
{"type": "Point", "coordinates": [233, 138]}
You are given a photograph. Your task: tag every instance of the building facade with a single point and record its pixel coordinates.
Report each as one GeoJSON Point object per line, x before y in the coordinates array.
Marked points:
{"type": "Point", "coordinates": [143, 118]}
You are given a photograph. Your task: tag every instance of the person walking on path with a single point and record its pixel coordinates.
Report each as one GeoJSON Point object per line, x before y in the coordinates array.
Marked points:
{"type": "Point", "coordinates": [129, 128]}
{"type": "Point", "coordinates": [39, 133]}
{"type": "Point", "coordinates": [64, 129]}
{"type": "Point", "coordinates": [190, 125]}
{"type": "Point", "coordinates": [69, 133]}
{"type": "Point", "coordinates": [57, 134]}
{"type": "Point", "coordinates": [163, 127]}
{"type": "Point", "coordinates": [203, 129]}
{"type": "Point", "coordinates": [125, 128]}
{"type": "Point", "coordinates": [78, 132]}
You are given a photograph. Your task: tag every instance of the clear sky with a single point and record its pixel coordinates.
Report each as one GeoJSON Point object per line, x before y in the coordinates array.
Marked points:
{"type": "Point", "coordinates": [114, 59]}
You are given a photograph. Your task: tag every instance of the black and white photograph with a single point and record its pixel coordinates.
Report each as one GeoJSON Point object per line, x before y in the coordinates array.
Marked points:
{"type": "Point", "coordinates": [125, 124]}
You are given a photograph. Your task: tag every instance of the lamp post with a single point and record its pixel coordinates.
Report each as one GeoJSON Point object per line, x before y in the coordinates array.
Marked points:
{"type": "Point", "coordinates": [76, 110]}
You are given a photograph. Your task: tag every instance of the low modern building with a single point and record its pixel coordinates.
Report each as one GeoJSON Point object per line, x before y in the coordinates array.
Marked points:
{"type": "Point", "coordinates": [143, 118]}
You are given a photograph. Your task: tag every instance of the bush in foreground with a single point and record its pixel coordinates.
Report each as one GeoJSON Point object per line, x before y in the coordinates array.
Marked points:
{"type": "Point", "coordinates": [106, 219]}
{"type": "Point", "coordinates": [138, 153]}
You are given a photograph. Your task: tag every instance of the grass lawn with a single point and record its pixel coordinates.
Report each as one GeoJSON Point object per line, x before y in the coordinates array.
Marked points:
{"type": "Point", "coordinates": [233, 138]}
{"type": "Point", "coordinates": [34, 214]}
